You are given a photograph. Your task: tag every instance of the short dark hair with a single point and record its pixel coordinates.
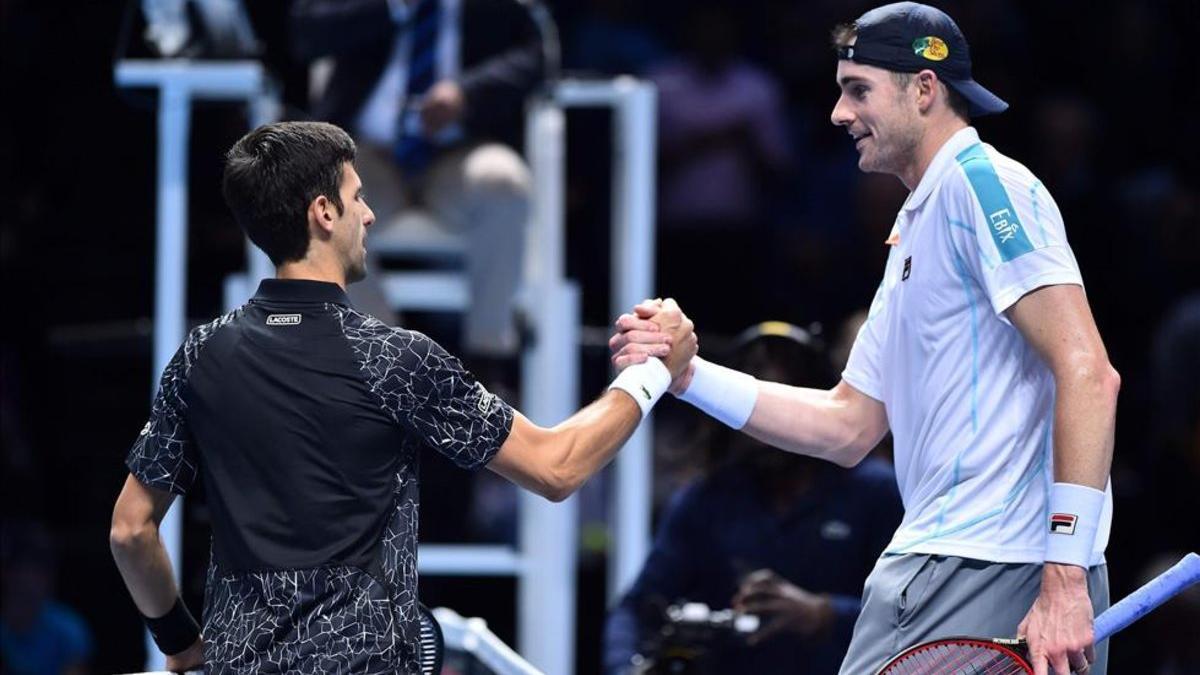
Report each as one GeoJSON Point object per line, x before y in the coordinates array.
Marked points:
{"type": "Point", "coordinates": [958, 104]}
{"type": "Point", "coordinates": [843, 33]}
{"type": "Point", "coordinates": [273, 173]}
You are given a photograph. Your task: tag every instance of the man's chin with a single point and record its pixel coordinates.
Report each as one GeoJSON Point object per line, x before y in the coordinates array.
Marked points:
{"type": "Point", "coordinates": [873, 166]}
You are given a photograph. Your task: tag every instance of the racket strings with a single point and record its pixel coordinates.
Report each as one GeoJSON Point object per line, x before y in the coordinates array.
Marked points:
{"type": "Point", "coordinates": [957, 659]}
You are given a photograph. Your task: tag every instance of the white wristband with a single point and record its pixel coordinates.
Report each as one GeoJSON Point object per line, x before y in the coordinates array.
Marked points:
{"type": "Point", "coordinates": [645, 382]}
{"type": "Point", "coordinates": [725, 394]}
{"type": "Point", "coordinates": [1075, 512]}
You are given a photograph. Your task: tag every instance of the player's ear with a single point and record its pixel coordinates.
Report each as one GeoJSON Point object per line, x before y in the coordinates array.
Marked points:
{"type": "Point", "coordinates": [321, 215]}
{"type": "Point", "coordinates": [927, 88]}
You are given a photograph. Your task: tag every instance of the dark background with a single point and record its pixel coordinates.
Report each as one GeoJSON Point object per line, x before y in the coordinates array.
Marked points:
{"type": "Point", "coordinates": [1103, 98]}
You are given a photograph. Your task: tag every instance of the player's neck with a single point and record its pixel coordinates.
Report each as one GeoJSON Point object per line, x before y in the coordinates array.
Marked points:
{"type": "Point", "coordinates": [933, 140]}
{"type": "Point", "coordinates": [312, 270]}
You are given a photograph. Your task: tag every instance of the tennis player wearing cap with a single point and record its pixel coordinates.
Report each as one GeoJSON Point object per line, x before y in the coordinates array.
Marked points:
{"type": "Point", "coordinates": [980, 355]}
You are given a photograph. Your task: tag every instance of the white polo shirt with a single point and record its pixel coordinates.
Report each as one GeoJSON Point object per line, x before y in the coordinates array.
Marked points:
{"type": "Point", "coordinates": [970, 404]}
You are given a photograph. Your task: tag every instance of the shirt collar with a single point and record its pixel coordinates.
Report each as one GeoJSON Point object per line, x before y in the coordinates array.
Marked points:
{"type": "Point", "coordinates": [942, 161]}
{"type": "Point", "coordinates": [301, 290]}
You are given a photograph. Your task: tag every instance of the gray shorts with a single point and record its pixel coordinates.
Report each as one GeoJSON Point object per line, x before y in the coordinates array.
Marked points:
{"type": "Point", "coordinates": [914, 598]}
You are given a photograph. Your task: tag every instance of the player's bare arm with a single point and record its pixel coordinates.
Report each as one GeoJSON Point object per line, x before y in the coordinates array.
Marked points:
{"type": "Point", "coordinates": [143, 562]}
{"type": "Point", "coordinates": [840, 425]}
{"type": "Point", "coordinates": [555, 462]}
{"type": "Point", "coordinates": [1058, 324]}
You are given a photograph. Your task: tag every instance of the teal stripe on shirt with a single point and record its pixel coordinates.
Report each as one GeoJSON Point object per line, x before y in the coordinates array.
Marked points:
{"type": "Point", "coordinates": [1003, 223]}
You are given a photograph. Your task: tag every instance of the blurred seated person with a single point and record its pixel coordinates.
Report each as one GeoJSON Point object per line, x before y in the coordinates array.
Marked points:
{"type": "Point", "coordinates": [434, 93]}
{"type": "Point", "coordinates": [38, 636]}
{"type": "Point", "coordinates": [724, 154]}
{"type": "Point", "coordinates": [787, 538]}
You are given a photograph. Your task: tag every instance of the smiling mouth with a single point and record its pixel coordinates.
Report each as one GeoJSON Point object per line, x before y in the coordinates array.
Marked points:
{"type": "Point", "coordinates": [859, 141]}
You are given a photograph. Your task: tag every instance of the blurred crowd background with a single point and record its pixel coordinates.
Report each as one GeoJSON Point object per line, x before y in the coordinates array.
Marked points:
{"type": "Point", "coordinates": [762, 215]}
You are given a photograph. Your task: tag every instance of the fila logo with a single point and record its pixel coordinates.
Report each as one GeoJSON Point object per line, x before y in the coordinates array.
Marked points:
{"type": "Point", "coordinates": [1062, 523]}
{"type": "Point", "coordinates": [284, 319]}
{"type": "Point", "coordinates": [647, 393]}
{"type": "Point", "coordinates": [907, 268]}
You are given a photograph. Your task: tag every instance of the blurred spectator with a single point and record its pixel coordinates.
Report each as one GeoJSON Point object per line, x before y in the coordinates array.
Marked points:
{"type": "Point", "coordinates": [37, 635]}
{"type": "Point", "coordinates": [723, 145]}
{"type": "Point", "coordinates": [1066, 131]}
{"type": "Point", "coordinates": [1175, 374]}
{"type": "Point", "coordinates": [834, 255]}
{"type": "Point", "coordinates": [434, 92]}
{"type": "Point", "coordinates": [610, 37]}
{"type": "Point", "coordinates": [20, 479]}
{"type": "Point", "coordinates": [785, 537]}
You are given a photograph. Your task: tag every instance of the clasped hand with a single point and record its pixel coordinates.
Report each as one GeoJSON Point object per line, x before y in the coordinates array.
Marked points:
{"type": "Point", "coordinates": [656, 328]}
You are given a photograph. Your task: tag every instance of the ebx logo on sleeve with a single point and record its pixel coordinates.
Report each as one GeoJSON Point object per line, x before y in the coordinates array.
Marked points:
{"type": "Point", "coordinates": [1062, 523]}
{"type": "Point", "coordinates": [284, 319]}
{"type": "Point", "coordinates": [931, 48]}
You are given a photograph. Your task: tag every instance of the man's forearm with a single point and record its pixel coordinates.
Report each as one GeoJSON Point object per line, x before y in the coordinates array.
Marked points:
{"type": "Point", "coordinates": [1084, 425]}
{"type": "Point", "coordinates": [811, 422]}
{"type": "Point", "coordinates": [554, 462]}
{"type": "Point", "coordinates": [589, 439]}
{"type": "Point", "coordinates": [146, 569]}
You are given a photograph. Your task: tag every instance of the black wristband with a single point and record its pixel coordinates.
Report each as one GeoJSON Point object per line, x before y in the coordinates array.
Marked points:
{"type": "Point", "coordinates": [175, 631]}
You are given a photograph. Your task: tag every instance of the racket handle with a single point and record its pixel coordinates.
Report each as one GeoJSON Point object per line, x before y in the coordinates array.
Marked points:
{"type": "Point", "coordinates": [1160, 589]}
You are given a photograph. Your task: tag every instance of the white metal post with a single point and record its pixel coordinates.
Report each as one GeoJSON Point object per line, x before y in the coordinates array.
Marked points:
{"type": "Point", "coordinates": [635, 112]}
{"type": "Point", "coordinates": [170, 283]}
{"type": "Point", "coordinates": [550, 371]}
{"type": "Point", "coordinates": [633, 178]}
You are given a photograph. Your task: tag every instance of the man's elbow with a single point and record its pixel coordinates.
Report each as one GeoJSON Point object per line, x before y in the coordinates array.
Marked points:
{"type": "Point", "coordinates": [857, 441]}
{"type": "Point", "coordinates": [1112, 380]}
{"type": "Point", "coordinates": [559, 485]}
{"type": "Point", "coordinates": [851, 454]}
{"type": "Point", "coordinates": [127, 537]}
{"type": "Point", "coordinates": [1099, 377]}
{"type": "Point", "coordinates": [557, 494]}
{"type": "Point", "coordinates": [554, 492]}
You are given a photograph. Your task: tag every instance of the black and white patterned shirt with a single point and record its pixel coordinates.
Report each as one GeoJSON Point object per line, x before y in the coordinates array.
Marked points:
{"type": "Point", "coordinates": [306, 419]}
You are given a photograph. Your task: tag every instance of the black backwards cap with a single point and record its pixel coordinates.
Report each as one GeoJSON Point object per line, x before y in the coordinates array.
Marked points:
{"type": "Point", "coordinates": [909, 37]}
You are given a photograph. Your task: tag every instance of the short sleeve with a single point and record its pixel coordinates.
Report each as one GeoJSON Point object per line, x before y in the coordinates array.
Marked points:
{"type": "Point", "coordinates": [864, 369]}
{"type": "Point", "coordinates": [164, 454]}
{"type": "Point", "coordinates": [1009, 232]}
{"type": "Point", "coordinates": [430, 392]}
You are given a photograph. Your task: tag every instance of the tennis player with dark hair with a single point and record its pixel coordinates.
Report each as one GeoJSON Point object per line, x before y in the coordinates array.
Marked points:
{"type": "Point", "coordinates": [307, 420]}
{"type": "Point", "coordinates": [980, 355]}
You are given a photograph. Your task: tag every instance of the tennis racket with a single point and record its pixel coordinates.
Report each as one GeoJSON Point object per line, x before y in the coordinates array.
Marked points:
{"type": "Point", "coordinates": [1009, 656]}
